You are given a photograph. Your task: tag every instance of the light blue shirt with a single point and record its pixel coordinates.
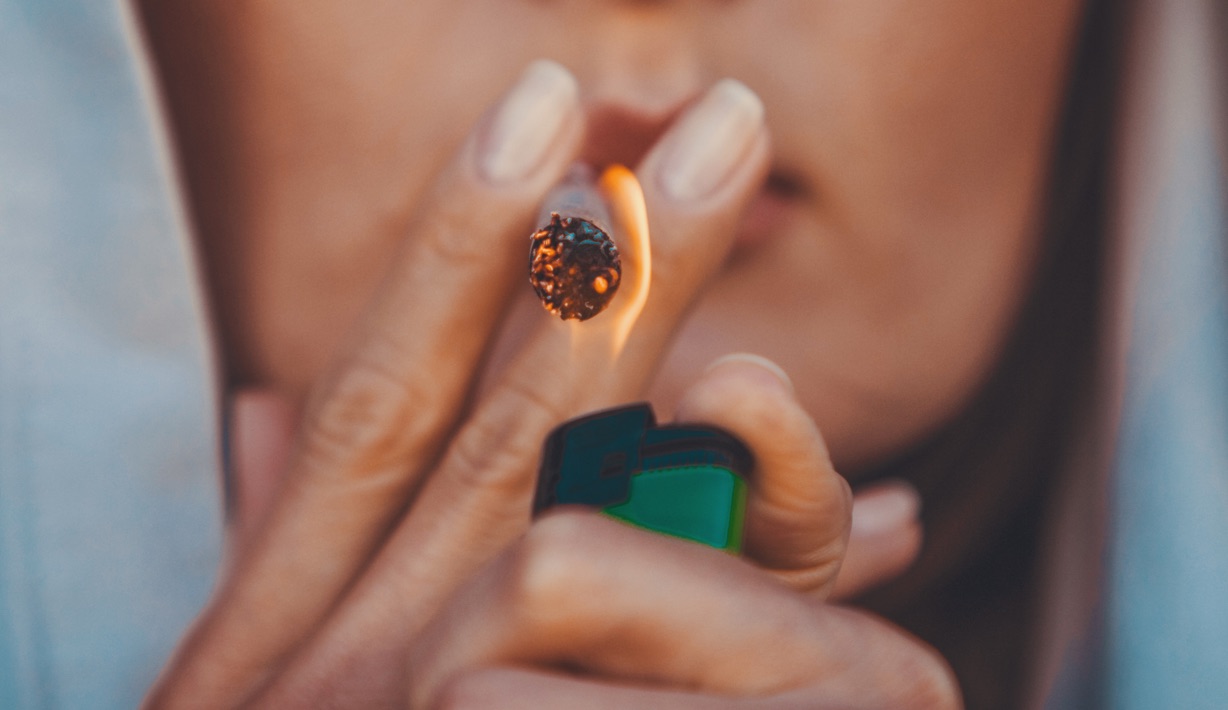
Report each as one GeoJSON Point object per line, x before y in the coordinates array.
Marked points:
{"type": "Point", "coordinates": [109, 495]}
{"type": "Point", "coordinates": [1167, 610]}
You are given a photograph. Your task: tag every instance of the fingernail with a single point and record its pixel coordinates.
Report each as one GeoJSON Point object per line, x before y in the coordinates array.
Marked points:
{"type": "Point", "coordinates": [885, 509]}
{"type": "Point", "coordinates": [756, 360]}
{"type": "Point", "coordinates": [529, 121]}
{"type": "Point", "coordinates": [711, 140]}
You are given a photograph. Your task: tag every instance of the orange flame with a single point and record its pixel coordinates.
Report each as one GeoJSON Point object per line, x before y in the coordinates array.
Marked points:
{"type": "Point", "coordinates": [628, 212]}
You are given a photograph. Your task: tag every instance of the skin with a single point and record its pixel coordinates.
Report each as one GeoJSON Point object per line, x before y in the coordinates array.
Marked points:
{"type": "Point", "coordinates": [334, 155]}
{"type": "Point", "coordinates": [916, 137]}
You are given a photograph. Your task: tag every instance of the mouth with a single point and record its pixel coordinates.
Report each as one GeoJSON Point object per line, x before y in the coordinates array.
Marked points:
{"type": "Point", "coordinates": [771, 210]}
{"type": "Point", "coordinates": [621, 135]}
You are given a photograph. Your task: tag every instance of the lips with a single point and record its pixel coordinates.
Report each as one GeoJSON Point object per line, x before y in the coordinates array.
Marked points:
{"type": "Point", "coordinates": [770, 211]}
{"type": "Point", "coordinates": [620, 134]}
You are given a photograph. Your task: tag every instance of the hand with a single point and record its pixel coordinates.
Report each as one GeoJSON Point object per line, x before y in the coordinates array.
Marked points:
{"type": "Point", "coordinates": [586, 612]}
{"type": "Point", "coordinates": [395, 492]}
{"type": "Point", "coordinates": [884, 539]}
{"type": "Point", "coordinates": [398, 487]}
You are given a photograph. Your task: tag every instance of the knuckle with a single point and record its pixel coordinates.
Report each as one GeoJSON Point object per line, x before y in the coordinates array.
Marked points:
{"type": "Point", "coordinates": [443, 239]}
{"type": "Point", "coordinates": [371, 415]}
{"type": "Point", "coordinates": [483, 459]}
{"type": "Point", "coordinates": [551, 567]}
{"type": "Point", "coordinates": [530, 403]}
{"type": "Point", "coordinates": [451, 230]}
{"type": "Point", "coordinates": [498, 449]}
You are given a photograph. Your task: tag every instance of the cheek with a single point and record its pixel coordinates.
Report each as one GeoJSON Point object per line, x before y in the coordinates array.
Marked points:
{"type": "Point", "coordinates": [344, 114]}
{"type": "Point", "coordinates": [912, 115]}
{"type": "Point", "coordinates": [879, 361]}
{"type": "Point", "coordinates": [923, 132]}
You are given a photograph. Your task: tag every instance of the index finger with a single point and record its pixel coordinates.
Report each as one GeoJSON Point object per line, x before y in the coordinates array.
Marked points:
{"type": "Point", "coordinates": [382, 414]}
{"type": "Point", "coordinates": [477, 499]}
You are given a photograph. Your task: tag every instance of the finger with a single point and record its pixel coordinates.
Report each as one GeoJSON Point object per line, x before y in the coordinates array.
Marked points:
{"type": "Point", "coordinates": [481, 491]}
{"type": "Point", "coordinates": [478, 500]}
{"type": "Point", "coordinates": [570, 367]}
{"type": "Point", "coordinates": [586, 593]}
{"type": "Point", "coordinates": [885, 540]}
{"type": "Point", "coordinates": [381, 416]}
{"type": "Point", "coordinates": [798, 508]}
{"type": "Point", "coordinates": [262, 425]}
{"type": "Point", "coordinates": [521, 689]}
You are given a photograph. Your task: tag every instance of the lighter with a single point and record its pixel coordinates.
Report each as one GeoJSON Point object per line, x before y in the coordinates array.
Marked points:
{"type": "Point", "coordinates": [679, 479]}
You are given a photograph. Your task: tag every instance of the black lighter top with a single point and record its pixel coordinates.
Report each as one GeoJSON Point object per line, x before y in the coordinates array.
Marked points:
{"type": "Point", "coordinates": [682, 480]}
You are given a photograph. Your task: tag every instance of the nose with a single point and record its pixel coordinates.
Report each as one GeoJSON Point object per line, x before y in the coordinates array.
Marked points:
{"type": "Point", "coordinates": [640, 55]}
{"type": "Point", "coordinates": [639, 63]}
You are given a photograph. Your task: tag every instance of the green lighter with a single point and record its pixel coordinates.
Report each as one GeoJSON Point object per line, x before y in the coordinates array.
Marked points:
{"type": "Point", "coordinates": [681, 480]}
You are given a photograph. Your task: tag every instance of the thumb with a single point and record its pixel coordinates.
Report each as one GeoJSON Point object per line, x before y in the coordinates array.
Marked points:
{"type": "Point", "coordinates": [885, 538]}
{"type": "Point", "coordinates": [798, 507]}
{"type": "Point", "coordinates": [262, 426]}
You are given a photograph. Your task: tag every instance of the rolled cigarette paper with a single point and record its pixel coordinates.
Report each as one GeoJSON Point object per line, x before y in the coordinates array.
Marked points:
{"type": "Point", "coordinates": [574, 266]}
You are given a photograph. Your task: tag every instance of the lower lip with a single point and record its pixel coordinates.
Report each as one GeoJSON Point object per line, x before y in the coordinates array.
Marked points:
{"type": "Point", "coordinates": [764, 218]}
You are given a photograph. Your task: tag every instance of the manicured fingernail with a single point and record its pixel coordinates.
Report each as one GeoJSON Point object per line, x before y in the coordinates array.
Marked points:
{"type": "Point", "coordinates": [711, 140]}
{"type": "Point", "coordinates": [889, 508]}
{"type": "Point", "coordinates": [756, 360]}
{"type": "Point", "coordinates": [529, 121]}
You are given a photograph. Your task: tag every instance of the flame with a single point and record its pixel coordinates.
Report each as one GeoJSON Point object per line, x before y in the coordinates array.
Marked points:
{"type": "Point", "coordinates": [628, 212]}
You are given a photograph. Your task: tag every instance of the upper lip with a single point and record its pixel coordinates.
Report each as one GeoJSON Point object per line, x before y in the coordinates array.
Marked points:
{"type": "Point", "coordinates": [621, 134]}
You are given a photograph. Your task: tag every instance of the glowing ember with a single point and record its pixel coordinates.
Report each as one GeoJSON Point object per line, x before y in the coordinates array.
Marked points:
{"type": "Point", "coordinates": [574, 267]}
